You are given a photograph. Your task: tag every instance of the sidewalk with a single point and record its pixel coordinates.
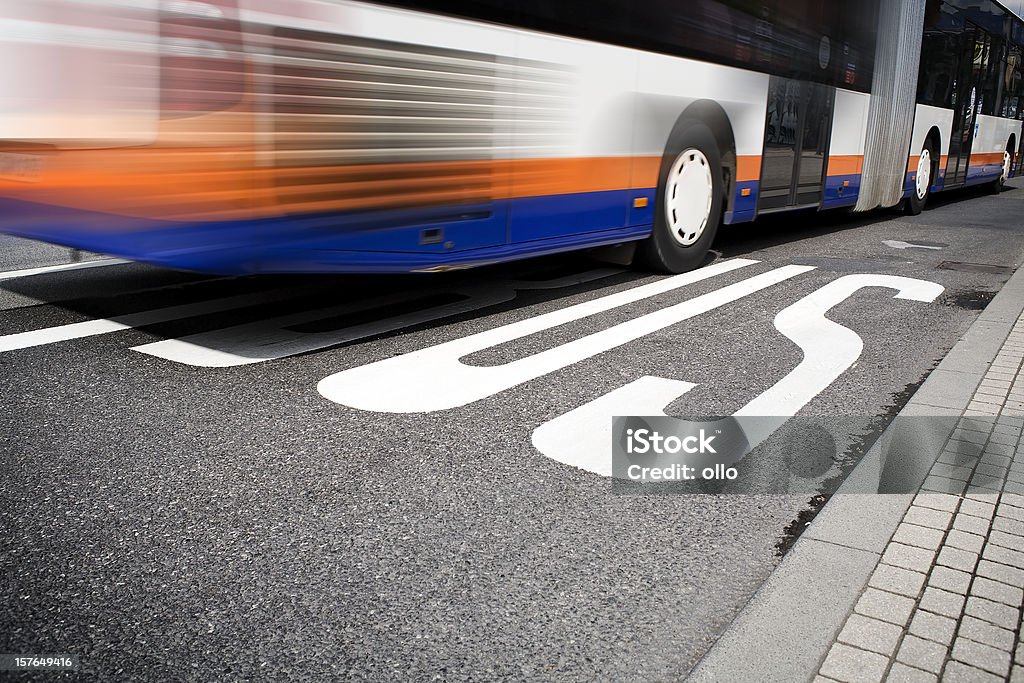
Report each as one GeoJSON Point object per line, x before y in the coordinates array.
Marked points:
{"type": "Point", "coordinates": [911, 587]}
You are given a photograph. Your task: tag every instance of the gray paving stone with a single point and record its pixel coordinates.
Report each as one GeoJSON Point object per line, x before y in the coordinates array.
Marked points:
{"type": "Point", "coordinates": [901, 673]}
{"type": "Point", "coordinates": [965, 448]}
{"type": "Point", "coordinates": [1020, 652]}
{"type": "Point", "coordinates": [897, 580]}
{"type": "Point", "coordinates": [935, 519]}
{"type": "Point", "coordinates": [996, 613]}
{"type": "Point", "coordinates": [957, 672]}
{"type": "Point", "coordinates": [958, 459]}
{"type": "Point", "coordinates": [991, 469]}
{"type": "Point", "coordinates": [973, 424]}
{"type": "Point", "coordinates": [952, 580]}
{"type": "Point", "coordinates": [1013, 487]}
{"type": "Point", "coordinates": [991, 497]}
{"type": "Point", "coordinates": [999, 449]}
{"type": "Point", "coordinates": [937, 484]}
{"type": "Point", "coordinates": [1008, 439]}
{"type": "Point", "coordinates": [908, 557]}
{"type": "Point", "coordinates": [1010, 512]}
{"type": "Point", "coordinates": [921, 653]}
{"type": "Point", "coordinates": [871, 634]}
{"type": "Point", "coordinates": [933, 627]}
{"type": "Point", "coordinates": [890, 607]}
{"type": "Point", "coordinates": [1001, 538]}
{"type": "Point", "coordinates": [965, 541]}
{"type": "Point", "coordinates": [1009, 526]}
{"type": "Point", "coordinates": [970, 435]}
{"type": "Point", "coordinates": [981, 481]}
{"type": "Point", "coordinates": [994, 392]}
{"type": "Point", "coordinates": [996, 460]}
{"type": "Point", "coordinates": [978, 508]}
{"type": "Point", "coordinates": [920, 537]}
{"type": "Point", "coordinates": [984, 632]}
{"type": "Point", "coordinates": [1001, 572]}
{"type": "Point", "coordinates": [937, 501]}
{"type": "Point", "coordinates": [981, 656]}
{"type": "Point", "coordinates": [997, 592]}
{"type": "Point", "coordinates": [957, 558]}
{"type": "Point", "coordinates": [970, 524]}
{"type": "Point", "coordinates": [1014, 421]}
{"type": "Point", "coordinates": [942, 602]}
{"type": "Point", "coordinates": [1017, 675]}
{"type": "Point", "coordinates": [1003, 555]}
{"type": "Point", "coordinates": [1014, 499]}
{"type": "Point", "coordinates": [845, 663]}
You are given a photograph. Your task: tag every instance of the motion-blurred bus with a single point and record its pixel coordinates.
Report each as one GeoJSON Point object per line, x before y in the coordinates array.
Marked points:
{"type": "Point", "coordinates": [240, 136]}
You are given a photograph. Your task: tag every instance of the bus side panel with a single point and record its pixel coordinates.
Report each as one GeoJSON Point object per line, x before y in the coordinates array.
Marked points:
{"type": "Point", "coordinates": [925, 118]}
{"type": "Point", "coordinates": [666, 86]}
{"type": "Point", "coordinates": [846, 148]}
{"type": "Point", "coordinates": [572, 137]}
{"type": "Point", "coordinates": [991, 136]}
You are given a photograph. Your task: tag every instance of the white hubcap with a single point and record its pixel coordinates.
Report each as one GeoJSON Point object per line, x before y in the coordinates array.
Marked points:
{"type": "Point", "coordinates": [688, 196]}
{"type": "Point", "coordinates": [924, 173]}
{"type": "Point", "coordinates": [1006, 167]}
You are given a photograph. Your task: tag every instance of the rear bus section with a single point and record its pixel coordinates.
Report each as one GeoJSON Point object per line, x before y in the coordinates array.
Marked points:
{"type": "Point", "coordinates": [127, 128]}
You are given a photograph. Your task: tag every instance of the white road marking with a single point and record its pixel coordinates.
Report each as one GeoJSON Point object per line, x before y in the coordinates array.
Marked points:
{"type": "Point", "coordinates": [435, 379]}
{"type": "Point", "coordinates": [90, 328]}
{"type": "Point", "coordinates": [583, 437]}
{"type": "Point", "coordinates": [12, 274]}
{"type": "Point", "coordinates": [900, 244]}
{"type": "Point", "coordinates": [828, 347]}
{"type": "Point", "coordinates": [265, 340]}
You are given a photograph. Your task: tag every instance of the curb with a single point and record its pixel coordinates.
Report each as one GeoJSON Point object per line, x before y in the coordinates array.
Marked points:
{"type": "Point", "coordinates": [788, 626]}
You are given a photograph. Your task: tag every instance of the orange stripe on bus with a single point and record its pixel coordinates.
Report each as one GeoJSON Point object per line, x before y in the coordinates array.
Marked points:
{"type": "Point", "coordinates": [845, 164]}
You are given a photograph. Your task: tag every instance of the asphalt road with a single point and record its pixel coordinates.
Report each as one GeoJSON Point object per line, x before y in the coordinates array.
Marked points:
{"type": "Point", "coordinates": [165, 520]}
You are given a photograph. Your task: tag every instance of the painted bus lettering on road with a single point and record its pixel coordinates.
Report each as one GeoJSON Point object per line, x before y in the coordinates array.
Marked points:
{"type": "Point", "coordinates": [582, 437]}
{"type": "Point", "coordinates": [435, 378]}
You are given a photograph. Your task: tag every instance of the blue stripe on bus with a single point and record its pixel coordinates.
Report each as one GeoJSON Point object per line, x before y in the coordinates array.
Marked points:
{"type": "Point", "coordinates": [837, 194]}
{"type": "Point", "coordinates": [382, 241]}
{"type": "Point", "coordinates": [744, 209]}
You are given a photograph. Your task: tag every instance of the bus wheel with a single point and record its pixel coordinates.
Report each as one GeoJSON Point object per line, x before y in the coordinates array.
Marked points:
{"type": "Point", "coordinates": [688, 207]}
{"type": "Point", "coordinates": [996, 186]}
{"type": "Point", "coordinates": [926, 165]}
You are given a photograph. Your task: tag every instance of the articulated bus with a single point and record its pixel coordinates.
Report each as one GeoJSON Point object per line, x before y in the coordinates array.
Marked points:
{"type": "Point", "coordinates": [242, 136]}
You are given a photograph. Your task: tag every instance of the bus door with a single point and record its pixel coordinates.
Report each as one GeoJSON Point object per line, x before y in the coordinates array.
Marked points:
{"type": "Point", "coordinates": [967, 90]}
{"type": "Point", "coordinates": [797, 128]}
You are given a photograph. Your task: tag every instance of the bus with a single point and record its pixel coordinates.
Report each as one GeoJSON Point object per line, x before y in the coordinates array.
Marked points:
{"type": "Point", "coordinates": [284, 136]}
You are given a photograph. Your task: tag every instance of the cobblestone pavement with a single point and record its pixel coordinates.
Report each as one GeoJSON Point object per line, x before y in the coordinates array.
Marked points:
{"type": "Point", "coordinates": [944, 602]}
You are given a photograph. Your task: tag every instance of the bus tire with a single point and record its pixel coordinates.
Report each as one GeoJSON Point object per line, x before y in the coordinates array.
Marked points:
{"type": "Point", "coordinates": [688, 203]}
{"type": "Point", "coordinates": [927, 167]}
{"type": "Point", "coordinates": [996, 186]}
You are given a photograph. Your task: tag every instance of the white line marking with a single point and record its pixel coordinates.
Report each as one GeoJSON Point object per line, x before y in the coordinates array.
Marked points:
{"type": "Point", "coordinates": [583, 437]}
{"type": "Point", "coordinates": [265, 340]}
{"type": "Point", "coordinates": [12, 274]}
{"type": "Point", "coordinates": [90, 328]}
{"type": "Point", "coordinates": [900, 244]}
{"type": "Point", "coordinates": [434, 378]}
